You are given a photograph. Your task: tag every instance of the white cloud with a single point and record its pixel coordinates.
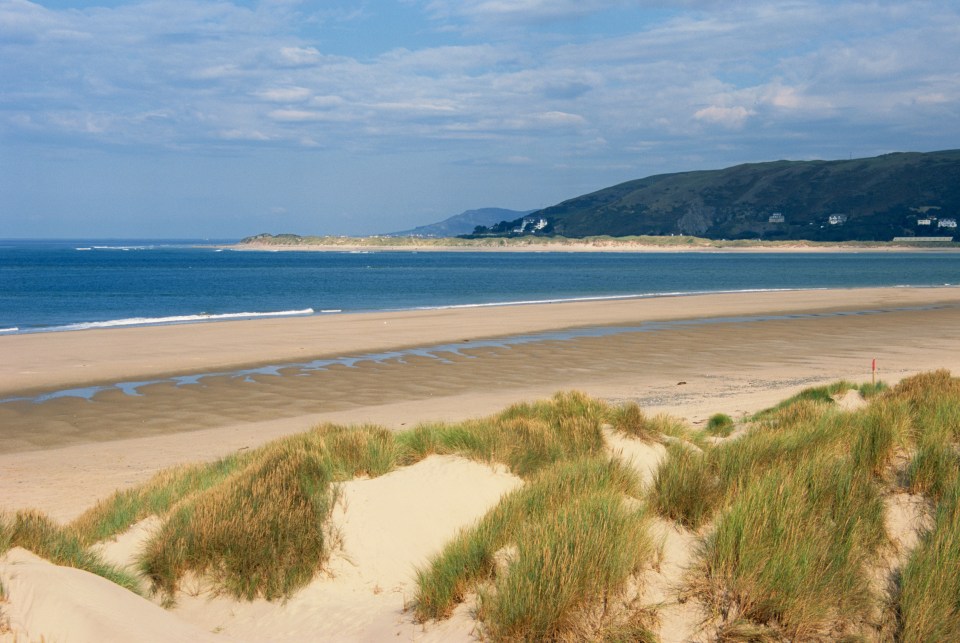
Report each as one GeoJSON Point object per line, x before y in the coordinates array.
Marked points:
{"type": "Point", "coordinates": [520, 10]}
{"type": "Point", "coordinates": [284, 94]}
{"type": "Point", "coordinates": [560, 118]}
{"type": "Point", "coordinates": [241, 135]}
{"type": "Point", "coordinates": [430, 107]}
{"type": "Point", "coordinates": [300, 55]}
{"type": "Point", "coordinates": [296, 115]}
{"type": "Point", "coordinates": [731, 117]}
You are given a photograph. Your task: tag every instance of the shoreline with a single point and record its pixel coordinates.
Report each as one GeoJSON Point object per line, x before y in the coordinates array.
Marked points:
{"type": "Point", "coordinates": [37, 363]}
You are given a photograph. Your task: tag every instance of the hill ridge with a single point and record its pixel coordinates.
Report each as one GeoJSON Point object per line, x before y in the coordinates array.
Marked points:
{"type": "Point", "coordinates": [865, 199]}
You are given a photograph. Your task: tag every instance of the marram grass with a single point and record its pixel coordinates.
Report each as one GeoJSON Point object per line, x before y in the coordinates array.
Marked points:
{"type": "Point", "coordinates": [631, 420]}
{"type": "Point", "coordinates": [577, 542]}
{"type": "Point", "coordinates": [720, 425]}
{"type": "Point", "coordinates": [686, 488]}
{"type": "Point", "coordinates": [524, 437]}
{"type": "Point", "coordinates": [794, 549]}
{"type": "Point", "coordinates": [929, 598]}
{"type": "Point", "coordinates": [36, 532]}
{"type": "Point", "coordinates": [259, 534]}
{"type": "Point", "coordinates": [567, 562]}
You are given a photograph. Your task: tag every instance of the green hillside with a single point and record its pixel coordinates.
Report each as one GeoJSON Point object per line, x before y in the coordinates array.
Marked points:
{"type": "Point", "coordinates": [873, 199]}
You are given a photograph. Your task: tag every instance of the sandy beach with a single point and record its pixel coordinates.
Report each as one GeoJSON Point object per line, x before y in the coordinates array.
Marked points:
{"type": "Point", "coordinates": [689, 356]}
{"type": "Point", "coordinates": [756, 348]}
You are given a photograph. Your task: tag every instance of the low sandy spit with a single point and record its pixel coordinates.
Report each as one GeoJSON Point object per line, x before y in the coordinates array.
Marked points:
{"type": "Point", "coordinates": [594, 245]}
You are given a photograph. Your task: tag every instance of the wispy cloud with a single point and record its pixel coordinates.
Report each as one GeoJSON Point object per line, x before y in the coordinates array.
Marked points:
{"type": "Point", "coordinates": [662, 85]}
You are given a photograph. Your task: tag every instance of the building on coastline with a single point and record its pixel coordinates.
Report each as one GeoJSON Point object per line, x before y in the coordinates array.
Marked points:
{"type": "Point", "coordinates": [947, 223]}
{"type": "Point", "coordinates": [837, 219]}
{"type": "Point", "coordinates": [531, 224]}
{"type": "Point", "coordinates": [776, 217]}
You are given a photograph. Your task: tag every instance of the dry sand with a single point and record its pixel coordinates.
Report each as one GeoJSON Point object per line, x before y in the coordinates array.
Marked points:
{"type": "Point", "coordinates": [61, 456]}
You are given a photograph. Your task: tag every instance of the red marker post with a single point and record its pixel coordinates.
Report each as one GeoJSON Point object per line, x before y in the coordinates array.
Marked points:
{"type": "Point", "coordinates": [873, 370]}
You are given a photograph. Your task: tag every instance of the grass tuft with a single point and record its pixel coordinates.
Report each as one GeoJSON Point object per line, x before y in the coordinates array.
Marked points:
{"type": "Point", "coordinates": [631, 420]}
{"type": "Point", "coordinates": [815, 394]}
{"type": "Point", "coordinates": [120, 511]}
{"type": "Point", "coordinates": [566, 562]}
{"type": "Point", "coordinates": [525, 437]}
{"type": "Point", "coordinates": [36, 532]}
{"type": "Point", "coordinates": [524, 518]}
{"type": "Point", "coordinates": [882, 427]}
{"type": "Point", "coordinates": [720, 425]}
{"type": "Point", "coordinates": [259, 534]}
{"type": "Point", "coordinates": [929, 600]}
{"type": "Point", "coordinates": [685, 487]}
{"type": "Point", "coordinates": [793, 549]}
{"type": "Point", "coordinates": [933, 470]}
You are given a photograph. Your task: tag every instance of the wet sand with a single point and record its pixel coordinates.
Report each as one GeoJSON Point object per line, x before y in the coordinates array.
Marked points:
{"type": "Point", "coordinates": [686, 367]}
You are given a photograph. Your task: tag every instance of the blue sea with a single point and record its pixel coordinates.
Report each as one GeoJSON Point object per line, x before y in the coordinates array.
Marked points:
{"type": "Point", "coordinates": [70, 285]}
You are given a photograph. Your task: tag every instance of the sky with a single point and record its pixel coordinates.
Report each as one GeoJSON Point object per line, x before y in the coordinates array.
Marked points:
{"type": "Point", "coordinates": [226, 118]}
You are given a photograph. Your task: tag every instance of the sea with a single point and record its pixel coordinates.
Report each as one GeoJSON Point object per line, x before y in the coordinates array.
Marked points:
{"type": "Point", "coordinates": [67, 285]}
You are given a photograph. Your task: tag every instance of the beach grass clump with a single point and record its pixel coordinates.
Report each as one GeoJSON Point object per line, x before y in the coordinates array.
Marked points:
{"type": "Point", "coordinates": [929, 596]}
{"type": "Point", "coordinates": [792, 551]}
{"type": "Point", "coordinates": [878, 432]}
{"type": "Point", "coordinates": [685, 488]}
{"type": "Point", "coordinates": [60, 545]}
{"type": "Point", "coordinates": [869, 390]}
{"type": "Point", "coordinates": [691, 484]}
{"type": "Point", "coordinates": [934, 399]}
{"type": "Point", "coordinates": [720, 425]}
{"type": "Point", "coordinates": [815, 394]}
{"type": "Point", "coordinates": [258, 534]}
{"type": "Point", "coordinates": [802, 431]}
{"type": "Point", "coordinates": [348, 452]}
{"type": "Point", "coordinates": [565, 563]}
{"type": "Point", "coordinates": [630, 420]}
{"type": "Point", "coordinates": [121, 510]}
{"type": "Point", "coordinates": [525, 437]}
{"type": "Point", "coordinates": [934, 469]}
{"type": "Point", "coordinates": [559, 515]}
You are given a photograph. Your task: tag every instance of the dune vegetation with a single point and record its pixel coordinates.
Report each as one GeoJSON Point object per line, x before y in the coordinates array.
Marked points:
{"type": "Point", "coordinates": [790, 508]}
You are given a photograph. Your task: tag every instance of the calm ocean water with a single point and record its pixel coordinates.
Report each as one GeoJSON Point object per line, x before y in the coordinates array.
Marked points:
{"type": "Point", "coordinates": [66, 285]}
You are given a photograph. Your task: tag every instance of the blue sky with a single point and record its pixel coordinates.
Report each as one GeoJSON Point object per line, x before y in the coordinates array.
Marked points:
{"type": "Point", "coordinates": [188, 118]}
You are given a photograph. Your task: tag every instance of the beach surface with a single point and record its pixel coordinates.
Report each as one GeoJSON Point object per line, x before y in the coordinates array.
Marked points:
{"type": "Point", "coordinates": [690, 356]}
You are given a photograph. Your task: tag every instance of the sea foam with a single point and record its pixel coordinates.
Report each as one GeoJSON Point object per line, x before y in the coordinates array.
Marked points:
{"type": "Point", "coordinates": [178, 319]}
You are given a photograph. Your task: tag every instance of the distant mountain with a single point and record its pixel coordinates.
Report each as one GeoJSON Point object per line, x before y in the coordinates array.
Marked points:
{"type": "Point", "coordinates": [871, 199]}
{"type": "Point", "coordinates": [463, 223]}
